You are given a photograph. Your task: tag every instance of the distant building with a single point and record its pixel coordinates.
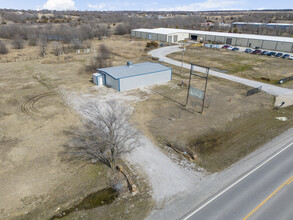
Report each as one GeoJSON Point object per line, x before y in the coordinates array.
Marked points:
{"type": "Point", "coordinates": [246, 40]}
{"type": "Point", "coordinates": [132, 76]}
{"type": "Point", "coordinates": [221, 24]}
{"type": "Point", "coordinates": [266, 25]}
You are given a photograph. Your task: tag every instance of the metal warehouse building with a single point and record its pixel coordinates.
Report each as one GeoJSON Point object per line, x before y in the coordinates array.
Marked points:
{"type": "Point", "coordinates": [132, 76]}
{"type": "Point", "coordinates": [161, 34]}
{"type": "Point", "coordinates": [246, 40]}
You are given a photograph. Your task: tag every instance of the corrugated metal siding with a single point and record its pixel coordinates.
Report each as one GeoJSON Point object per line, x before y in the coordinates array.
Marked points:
{"type": "Point", "coordinates": [242, 42]}
{"type": "Point", "coordinates": [113, 83]}
{"type": "Point", "coordinates": [211, 38]}
{"type": "Point", "coordinates": [175, 38]}
{"type": "Point", "coordinates": [255, 43]}
{"type": "Point", "coordinates": [269, 45]}
{"type": "Point", "coordinates": [162, 37]}
{"type": "Point", "coordinates": [138, 34]}
{"type": "Point", "coordinates": [154, 36]}
{"type": "Point", "coordinates": [143, 35]}
{"type": "Point", "coordinates": [220, 39]}
{"type": "Point", "coordinates": [282, 46]}
{"type": "Point", "coordinates": [183, 36]}
{"type": "Point", "coordinates": [200, 36]}
{"type": "Point", "coordinates": [144, 80]}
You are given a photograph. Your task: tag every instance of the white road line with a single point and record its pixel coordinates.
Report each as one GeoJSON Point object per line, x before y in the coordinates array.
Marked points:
{"type": "Point", "coordinates": [242, 178]}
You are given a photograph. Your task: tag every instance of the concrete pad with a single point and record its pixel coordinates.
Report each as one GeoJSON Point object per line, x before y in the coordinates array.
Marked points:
{"type": "Point", "coordinates": [288, 99]}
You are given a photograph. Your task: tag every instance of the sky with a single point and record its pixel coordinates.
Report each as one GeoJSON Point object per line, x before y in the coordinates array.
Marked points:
{"type": "Point", "coordinates": [147, 5]}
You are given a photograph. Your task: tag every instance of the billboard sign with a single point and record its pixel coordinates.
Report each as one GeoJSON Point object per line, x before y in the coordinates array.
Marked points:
{"type": "Point", "coordinates": [196, 92]}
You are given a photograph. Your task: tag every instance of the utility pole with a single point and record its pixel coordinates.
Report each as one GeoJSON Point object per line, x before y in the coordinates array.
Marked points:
{"type": "Point", "coordinates": [188, 87]}
{"type": "Point", "coordinates": [205, 89]}
{"type": "Point", "coordinates": [184, 48]}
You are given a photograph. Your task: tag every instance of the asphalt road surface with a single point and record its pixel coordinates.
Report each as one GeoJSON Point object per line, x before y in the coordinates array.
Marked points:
{"type": "Point", "coordinates": [266, 192]}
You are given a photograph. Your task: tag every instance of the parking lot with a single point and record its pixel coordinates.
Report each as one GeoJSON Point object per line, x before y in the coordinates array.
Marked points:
{"type": "Point", "coordinates": [258, 51]}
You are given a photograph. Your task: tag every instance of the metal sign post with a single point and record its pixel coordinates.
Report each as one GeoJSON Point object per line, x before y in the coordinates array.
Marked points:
{"type": "Point", "coordinates": [198, 93]}
{"type": "Point", "coordinates": [205, 88]}
{"type": "Point", "coordinates": [184, 48]}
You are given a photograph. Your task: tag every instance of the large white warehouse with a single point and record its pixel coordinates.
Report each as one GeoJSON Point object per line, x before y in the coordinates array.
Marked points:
{"type": "Point", "coordinates": [246, 40]}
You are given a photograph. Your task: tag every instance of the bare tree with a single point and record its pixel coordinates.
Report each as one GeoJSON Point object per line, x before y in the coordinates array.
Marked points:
{"type": "Point", "coordinates": [33, 42]}
{"type": "Point", "coordinates": [3, 48]}
{"type": "Point", "coordinates": [107, 134]}
{"type": "Point", "coordinates": [76, 44]}
{"type": "Point", "coordinates": [17, 43]}
{"type": "Point", "coordinates": [122, 29]}
{"type": "Point", "coordinates": [101, 60]}
{"type": "Point", "coordinates": [43, 46]}
{"type": "Point", "coordinates": [104, 51]}
{"type": "Point", "coordinates": [57, 48]}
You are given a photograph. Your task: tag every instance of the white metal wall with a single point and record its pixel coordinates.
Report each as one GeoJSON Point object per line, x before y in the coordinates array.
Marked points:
{"type": "Point", "coordinates": [284, 46]}
{"type": "Point", "coordinates": [269, 45]}
{"type": "Point", "coordinates": [241, 42]}
{"type": "Point", "coordinates": [145, 80]}
{"type": "Point", "coordinates": [264, 44]}
{"type": "Point", "coordinates": [113, 83]}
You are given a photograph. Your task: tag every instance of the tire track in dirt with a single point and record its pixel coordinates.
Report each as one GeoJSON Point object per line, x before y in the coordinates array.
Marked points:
{"type": "Point", "coordinates": [28, 107]}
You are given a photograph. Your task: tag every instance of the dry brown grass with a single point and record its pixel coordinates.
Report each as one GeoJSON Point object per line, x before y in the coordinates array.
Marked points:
{"type": "Point", "coordinates": [231, 127]}
{"type": "Point", "coordinates": [241, 64]}
{"type": "Point", "coordinates": [220, 149]}
{"type": "Point", "coordinates": [34, 175]}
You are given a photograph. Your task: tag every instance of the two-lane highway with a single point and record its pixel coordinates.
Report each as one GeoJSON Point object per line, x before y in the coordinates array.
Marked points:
{"type": "Point", "coordinates": [266, 192]}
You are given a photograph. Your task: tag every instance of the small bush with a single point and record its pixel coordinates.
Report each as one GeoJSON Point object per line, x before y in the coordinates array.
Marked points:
{"type": "Point", "coordinates": [33, 42]}
{"type": "Point", "coordinates": [76, 44]}
{"type": "Point", "coordinates": [122, 29]}
{"type": "Point", "coordinates": [3, 48]}
{"type": "Point", "coordinates": [17, 43]}
{"type": "Point", "coordinates": [152, 44]}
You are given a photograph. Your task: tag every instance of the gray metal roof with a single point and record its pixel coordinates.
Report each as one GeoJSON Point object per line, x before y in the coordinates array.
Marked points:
{"type": "Point", "coordinates": [265, 24]}
{"type": "Point", "coordinates": [168, 31]}
{"type": "Point", "coordinates": [118, 72]}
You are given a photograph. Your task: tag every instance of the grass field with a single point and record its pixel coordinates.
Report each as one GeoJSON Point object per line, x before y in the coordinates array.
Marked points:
{"type": "Point", "coordinates": [256, 67]}
{"type": "Point", "coordinates": [35, 176]}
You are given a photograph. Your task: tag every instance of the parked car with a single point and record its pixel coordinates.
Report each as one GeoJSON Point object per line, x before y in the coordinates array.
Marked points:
{"type": "Point", "coordinates": [235, 48]}
{"type": "Point", "coordinates": [290, 58]}
{"type": "Point", "coordinates": [229, 48]}
{"type": "Point", "coordinates": [225, 46]}
{"type": "Point", "coordinates": [271, 54]}
{"type": "Point", "coordinates": [256, 52]}
{"type": "Point", "coordinates": [286, 56]}
{"type": "Point", "coordinates": [278, 54]}
{"type": "Point", "coordinates": [265, 52]}
{"type": "Point", "coordinates": [215, 46]}
{"type": "Point", "coordinates": [208, 45]}
{"type": "Point", "coordinates": [248, 50]}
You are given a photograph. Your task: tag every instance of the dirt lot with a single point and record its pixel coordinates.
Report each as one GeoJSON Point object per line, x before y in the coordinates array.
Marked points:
{"type": "Point", "coordinates": [249, 66]}
{"type": "Point", "coordinates": [35, 176]}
